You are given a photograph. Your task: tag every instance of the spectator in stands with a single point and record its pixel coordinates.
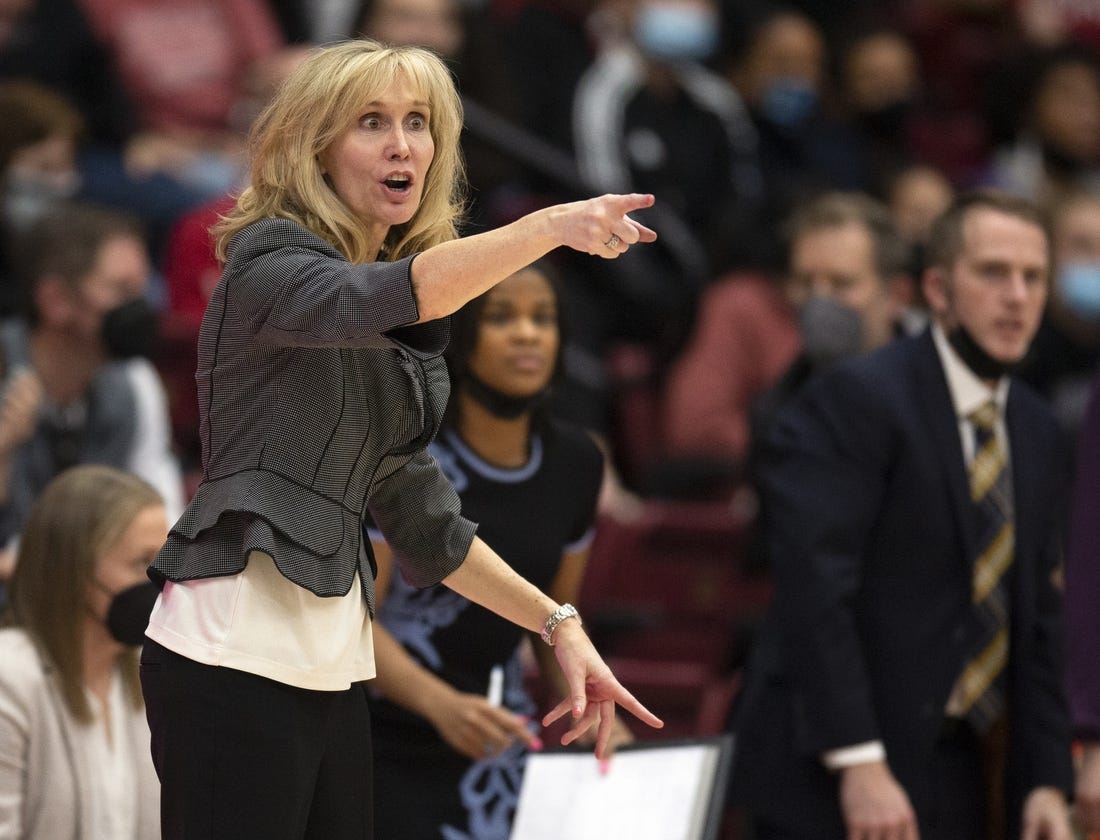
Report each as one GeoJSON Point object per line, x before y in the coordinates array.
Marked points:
{"type": "Point", "coordinates": [1051, 140]}
{"type": "Point", "coordinates": [778, 61]}
{"type": "Point", "coordinates": [564, 34]}
{"type": "Point", "coordinates": [845, 286]}
{"type": "Point", "coordinates": [880, 90]}
{"type": "Point", "coordinates": [181, 63]}
{"type": "Point", "coordinates": [435, 24]}
{"type": "Point", "coordinates": [86, 271]}
{"type": "Point", "coordinates": [648, 115]}
{"type": "Point", "coordinates": [437, 652]}
{"type": "Point", "coordinates": [1063, 357]}
{"type": "Point", "coordinates": [50, 42]}
{"type": "Point", "coordinates": [53, 43]}
{"type": "Point", "coordinates": [961, 44]}
{"type": "Point", "coordinates": [310, 22]}
{"type": "Point", "coordinates": [916, 196]}
{"type": "Point", "coordinates": [74, 743]}
{"type": "Point", "coordinates": [38, 167]}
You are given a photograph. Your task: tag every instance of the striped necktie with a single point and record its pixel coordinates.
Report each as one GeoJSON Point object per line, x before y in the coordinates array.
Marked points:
{"type": "Point", "coordinates": [979, 694]}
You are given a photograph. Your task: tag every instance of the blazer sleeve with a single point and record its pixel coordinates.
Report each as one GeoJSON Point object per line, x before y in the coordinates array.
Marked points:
{"type": "Point", "coordinates": [1044, 727]}
{"type": "Point", "coordinates": [419, 514]}
{"type": "Point", "coordinates": [824, 469]}
{"type": "Point", "coordinates": [293, 289]}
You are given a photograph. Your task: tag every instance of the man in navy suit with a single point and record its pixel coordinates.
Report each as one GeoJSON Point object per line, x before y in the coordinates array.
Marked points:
{"type": "Point", "coordinates": [908, 681]}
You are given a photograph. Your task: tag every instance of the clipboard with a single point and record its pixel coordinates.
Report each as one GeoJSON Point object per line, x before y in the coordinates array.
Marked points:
{"type": "Point", "coordinates": [655, 790]}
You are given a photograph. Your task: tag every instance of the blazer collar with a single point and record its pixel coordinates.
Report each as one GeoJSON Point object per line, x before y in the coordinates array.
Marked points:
{"type": "Point", "coordinates": [934, 400]}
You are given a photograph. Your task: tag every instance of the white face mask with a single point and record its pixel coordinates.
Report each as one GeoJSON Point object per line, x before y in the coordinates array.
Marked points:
{"type": "Point", "coordinates": [28, 197]}
{"type": "Point", "coordinates": [1079, 287]}
{"type": "Point", "coordinates": [676, 31]}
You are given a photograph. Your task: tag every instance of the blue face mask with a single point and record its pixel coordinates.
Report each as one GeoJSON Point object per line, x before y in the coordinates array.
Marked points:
{"type": "Point", "coordinates": [788, 103]}
{"type": "Point", "coordinates": [1079, 288]}
{"type": "Point", "coordinates": [675, 32]}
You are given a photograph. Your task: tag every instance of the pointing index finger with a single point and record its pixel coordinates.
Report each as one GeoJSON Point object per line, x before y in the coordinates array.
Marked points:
{"type": "Point", "coordinates": [631, 201]}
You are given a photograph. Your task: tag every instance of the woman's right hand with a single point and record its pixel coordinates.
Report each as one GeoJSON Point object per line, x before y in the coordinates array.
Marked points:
{"type": "Point", "coordinates": [474, 727]}
{"type": "Point", "coordinates": [600, 226]}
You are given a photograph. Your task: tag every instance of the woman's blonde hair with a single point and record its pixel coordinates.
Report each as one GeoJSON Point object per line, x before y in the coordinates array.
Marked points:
{"type": "Point", "coordinates": [81, 513]}
{"type": "Point", "coordinates": [316, 104]}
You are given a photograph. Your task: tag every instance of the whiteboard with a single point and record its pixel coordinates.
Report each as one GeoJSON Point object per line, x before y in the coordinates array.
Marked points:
{"type": "Point", "coordinates": [653, 791]}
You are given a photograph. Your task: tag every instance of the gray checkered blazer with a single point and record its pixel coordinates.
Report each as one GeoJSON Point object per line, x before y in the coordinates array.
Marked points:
{"type": "Point", "coordinates": [315, 405]}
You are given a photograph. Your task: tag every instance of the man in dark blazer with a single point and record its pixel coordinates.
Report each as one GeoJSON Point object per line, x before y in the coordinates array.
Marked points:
{"type": "Point", "coordinates": [857, 719]}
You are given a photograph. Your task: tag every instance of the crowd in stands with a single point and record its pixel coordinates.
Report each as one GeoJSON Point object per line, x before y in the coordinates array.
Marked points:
{"type": "Point", "coordinates": [799, 152]}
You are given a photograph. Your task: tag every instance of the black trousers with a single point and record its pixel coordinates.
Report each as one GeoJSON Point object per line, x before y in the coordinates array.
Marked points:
{"type": "Point", "coordinates": [243, 756]}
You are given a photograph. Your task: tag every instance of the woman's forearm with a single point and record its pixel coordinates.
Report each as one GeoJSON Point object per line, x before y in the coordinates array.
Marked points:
{"type": "Point", "coordinates": [448, 275]}
{"type": "Point", "coordinates": [486, 579]}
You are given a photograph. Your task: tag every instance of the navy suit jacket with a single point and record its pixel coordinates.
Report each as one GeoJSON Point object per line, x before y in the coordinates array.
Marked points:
{"type": "Point", "coordinates": [873, 536]}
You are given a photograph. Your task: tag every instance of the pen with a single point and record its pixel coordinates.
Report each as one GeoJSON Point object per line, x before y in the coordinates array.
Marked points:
{"type": "Point", "coordinates": [495, 694]}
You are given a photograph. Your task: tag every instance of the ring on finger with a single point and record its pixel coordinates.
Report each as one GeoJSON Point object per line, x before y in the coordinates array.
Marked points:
{"type": "Point", "coordinates": [613, 242]}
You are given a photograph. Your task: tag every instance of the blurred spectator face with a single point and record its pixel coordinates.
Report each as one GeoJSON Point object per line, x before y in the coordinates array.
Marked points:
{"type": "Point", "coordinates": [1066, 112]}
{"type": "Point", "coordinates": [118, 276]}
{"type": "Point", "coordinates": [882, 80]}
{"type": "Point", "coordinates": [38, 148]}
{"type": "Point", "coordinates": [917, 197]}
{"type": "Point", "coordinates": [782, 71]}
{"type": "Point", "coordinates": [674, 30]}
{"type": "Point", "coordinates": [54, 157]}
{"type": "Point", "coordinates": [39, 176]}
{"type": "Point", "coordinates": [435, 24]}
{"type": "Point", "coordinates": [1077, 257]}
{"type": "Point", "coordinates": [839, 263]}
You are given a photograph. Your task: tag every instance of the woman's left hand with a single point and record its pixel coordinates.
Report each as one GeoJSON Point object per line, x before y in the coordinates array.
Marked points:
{"type": "Point", "coordinates": [593, 690]}
{"type": "Point", "coordinates": [620, 735]}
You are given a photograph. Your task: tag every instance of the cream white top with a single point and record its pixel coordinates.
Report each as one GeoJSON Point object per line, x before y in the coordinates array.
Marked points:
{"type": "Point", "coordinates": [260, 622]}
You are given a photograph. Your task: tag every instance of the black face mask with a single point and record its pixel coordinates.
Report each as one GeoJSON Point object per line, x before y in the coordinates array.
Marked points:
{"type": "Point", "coordinates": [130, 329]}
{"type": "Point", "coordinates": [499, 404]}
{"type": "Point", "coordinates": [975, 357]}
{"type": "Point", "coordinates": [1062, 160]}
{"type": "Point", "coordinates": [128, 615]}
{"type": "Point", "coordinates": [886, 121]}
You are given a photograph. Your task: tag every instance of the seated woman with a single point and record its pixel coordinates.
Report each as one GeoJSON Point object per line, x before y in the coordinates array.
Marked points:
{"type": "Point", "coordinates": [449, 707]}
{"type": "Point", "coordinates": [74, 743]}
